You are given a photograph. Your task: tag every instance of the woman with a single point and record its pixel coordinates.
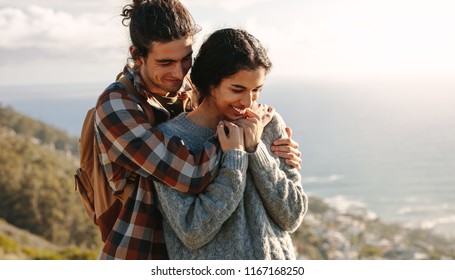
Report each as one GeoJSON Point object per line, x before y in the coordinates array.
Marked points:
{"type": "Point", "coordinates": [256, 200]}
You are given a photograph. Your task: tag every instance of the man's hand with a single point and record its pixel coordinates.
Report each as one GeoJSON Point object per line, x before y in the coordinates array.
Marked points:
{"type": "Point", "coordinates": [288, 149]}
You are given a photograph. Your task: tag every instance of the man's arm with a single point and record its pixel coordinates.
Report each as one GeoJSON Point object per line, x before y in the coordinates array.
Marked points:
{"type": "Point", "coordinates": [128, 140]}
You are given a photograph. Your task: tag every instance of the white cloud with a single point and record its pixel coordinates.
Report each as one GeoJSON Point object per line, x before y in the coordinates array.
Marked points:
{"type": "Point", "coordinates": [358, 39]}
{"type": "Point", "coordinates": [231, 5]}
{"type": "Point", "coordinates": [324, 39]}
{"type": "Point", "coordinates": [59, 32]}
{"type": "Point", "coordinates": [47, 45]}
{"type": "Point", "coordinates": [69, 6]}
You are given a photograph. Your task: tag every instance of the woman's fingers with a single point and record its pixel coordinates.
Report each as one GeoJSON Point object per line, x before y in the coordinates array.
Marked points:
{"type": "Point", "coordinates": [230, 136]}
{"type": "Point", "coordinates": [264, 112]}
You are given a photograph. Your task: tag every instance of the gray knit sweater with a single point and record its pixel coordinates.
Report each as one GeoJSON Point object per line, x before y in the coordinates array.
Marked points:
{"type": "Point", "coordinates": [247, 212]}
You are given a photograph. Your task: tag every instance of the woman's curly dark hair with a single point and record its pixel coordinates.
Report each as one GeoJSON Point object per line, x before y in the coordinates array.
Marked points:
{"type": "Point", "coordinates": [223, 54]}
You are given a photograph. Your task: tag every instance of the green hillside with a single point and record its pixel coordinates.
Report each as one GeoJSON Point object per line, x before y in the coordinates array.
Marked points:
{"type": "Point", "coordinates": [37, 194]}
{"type": "Point", "coordinates": [18, 244]}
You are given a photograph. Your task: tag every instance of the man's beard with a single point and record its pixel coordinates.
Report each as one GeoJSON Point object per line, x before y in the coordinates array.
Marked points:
{"type": "Point", "coordinates": [165, 88]}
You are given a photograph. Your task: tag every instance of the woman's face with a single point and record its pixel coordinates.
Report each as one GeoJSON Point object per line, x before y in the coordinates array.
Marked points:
{"type": "Point", "coordinates": [236, 93]}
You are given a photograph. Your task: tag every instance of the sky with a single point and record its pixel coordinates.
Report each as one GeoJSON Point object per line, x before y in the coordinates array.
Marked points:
{"type": "Point", "coordinates": [62, 41]}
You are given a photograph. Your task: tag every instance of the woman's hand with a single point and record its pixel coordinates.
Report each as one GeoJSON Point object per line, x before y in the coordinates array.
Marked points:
{"type": "Point", "coordinates": [252, 130]}
{"type": "Point", "coordinates": [288, 149]}
{"type": "Point", "coordinates": [264, 112]}
{"type": "Point", "coordinates": [230, 136]}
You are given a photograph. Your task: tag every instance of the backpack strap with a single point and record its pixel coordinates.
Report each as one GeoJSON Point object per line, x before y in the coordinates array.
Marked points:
{"type": "Point", "coordinates": [130, 89]}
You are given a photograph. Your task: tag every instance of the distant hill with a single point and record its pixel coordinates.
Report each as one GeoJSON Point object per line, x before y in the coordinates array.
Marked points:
{"type": "Point", "coordinates": [38, 131]}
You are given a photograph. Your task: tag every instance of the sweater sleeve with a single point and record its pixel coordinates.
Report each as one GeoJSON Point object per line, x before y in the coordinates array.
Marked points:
{"type": "Point", "coordinates": [278, 184]}
{"type": "Point", "coordinates": [127, 140]}
{"type": "Point", "coordinates": [196, 219]}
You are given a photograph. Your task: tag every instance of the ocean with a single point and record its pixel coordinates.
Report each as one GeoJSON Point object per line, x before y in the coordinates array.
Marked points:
{"type": "Point", "coordinates": [388, 147]}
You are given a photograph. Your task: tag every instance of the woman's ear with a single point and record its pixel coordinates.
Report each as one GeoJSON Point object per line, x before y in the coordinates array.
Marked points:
{"type": "Point", "coordinates": [212, 91]}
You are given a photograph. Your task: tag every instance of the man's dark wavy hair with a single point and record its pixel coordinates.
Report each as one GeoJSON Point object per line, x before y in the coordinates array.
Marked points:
{"type": "Point", "coordinates": [156, 21]}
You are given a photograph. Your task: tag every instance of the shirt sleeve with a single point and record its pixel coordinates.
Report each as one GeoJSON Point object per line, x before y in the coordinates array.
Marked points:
{"type": "Point", "coordinates": [196, 219]}
{"type": "Point", "coordinates": [278, 184]}
{"type": "Point", "coordinates": [129, 141]}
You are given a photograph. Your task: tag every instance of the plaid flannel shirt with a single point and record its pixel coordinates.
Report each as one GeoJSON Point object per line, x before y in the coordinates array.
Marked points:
{"type": "Point", "coordinates": [128, 143]}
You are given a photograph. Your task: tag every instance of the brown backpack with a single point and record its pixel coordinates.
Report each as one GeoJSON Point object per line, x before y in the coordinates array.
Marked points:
{"type": "Point", "coordinates": [100, 203]}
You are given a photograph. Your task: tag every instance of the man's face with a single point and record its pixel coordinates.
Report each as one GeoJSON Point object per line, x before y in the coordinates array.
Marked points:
{"type": "Point", "coordinates": [166, 65]}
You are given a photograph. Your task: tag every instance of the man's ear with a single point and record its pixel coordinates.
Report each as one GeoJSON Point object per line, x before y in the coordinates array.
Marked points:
{"type": "Point", "coordinates": [134, 52]}
{"type": "Point", "coordinates": [133, 49]}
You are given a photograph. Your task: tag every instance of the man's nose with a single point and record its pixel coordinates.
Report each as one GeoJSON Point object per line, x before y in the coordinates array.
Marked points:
{"type": "Point", "coordinates": [179, 71]}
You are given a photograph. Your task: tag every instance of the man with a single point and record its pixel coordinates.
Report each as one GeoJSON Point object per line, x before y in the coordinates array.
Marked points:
{"type": "Point", "coordinates": [162, 33]}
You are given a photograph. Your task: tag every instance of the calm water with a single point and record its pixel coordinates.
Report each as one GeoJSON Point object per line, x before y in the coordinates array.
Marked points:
{"type": "Point", "coordinates": [389, 148]}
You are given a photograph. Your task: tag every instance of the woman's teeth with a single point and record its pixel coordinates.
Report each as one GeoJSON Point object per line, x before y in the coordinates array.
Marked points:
{"type": "Point", "coordinates": [240, 111]}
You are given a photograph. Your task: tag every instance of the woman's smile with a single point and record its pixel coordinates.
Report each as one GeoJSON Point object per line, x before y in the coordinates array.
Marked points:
{"type": "Point", "coordinates": [239, 111]}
